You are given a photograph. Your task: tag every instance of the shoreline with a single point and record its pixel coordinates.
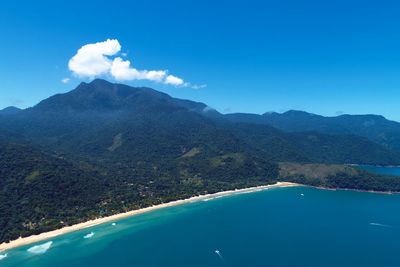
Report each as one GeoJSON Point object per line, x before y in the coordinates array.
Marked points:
{"type": "Point", "coordinates": [361, 165]}
{"type": "Point", "coordinates": [354, 190]}
{"type": "Point", "coordinates": [22, 241]}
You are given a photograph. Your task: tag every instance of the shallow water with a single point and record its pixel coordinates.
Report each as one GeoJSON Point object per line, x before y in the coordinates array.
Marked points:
{"type": "Point", "coordinates": [298, 226]}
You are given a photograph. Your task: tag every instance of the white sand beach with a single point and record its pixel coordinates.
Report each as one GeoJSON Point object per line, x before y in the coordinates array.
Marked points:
{"type": "Point", "coordinates": [48, 235]}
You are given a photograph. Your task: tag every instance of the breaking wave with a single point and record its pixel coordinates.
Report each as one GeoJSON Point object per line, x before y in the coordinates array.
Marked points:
{"type": "Point", "coordinates": [90, 235]}
{"type": "Point", "coordinates": [40, 249]}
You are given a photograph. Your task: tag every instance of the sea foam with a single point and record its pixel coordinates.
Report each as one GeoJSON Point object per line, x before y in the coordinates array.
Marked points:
{"type": "Point", "coordinates": [90, 235]}
{"type": "Point", "coordinates": [40, 249]}
{"type": "Point", "coordinates": [3, 256]}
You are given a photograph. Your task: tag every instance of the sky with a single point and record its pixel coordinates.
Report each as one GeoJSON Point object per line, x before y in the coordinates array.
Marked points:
{"type": "Point", "coordinates": [324, 57]}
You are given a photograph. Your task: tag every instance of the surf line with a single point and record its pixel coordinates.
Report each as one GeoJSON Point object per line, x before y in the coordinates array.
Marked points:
{"type": "Point", "coordinates": [40, 249]}
{"type": "Point", "coordinates": [90, 235]}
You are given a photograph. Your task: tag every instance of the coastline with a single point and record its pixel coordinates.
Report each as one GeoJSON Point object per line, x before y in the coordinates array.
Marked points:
{"type": "Point", "coordinates": [22, 241]}
{"type": "Point", "coordinates": [354, 190]}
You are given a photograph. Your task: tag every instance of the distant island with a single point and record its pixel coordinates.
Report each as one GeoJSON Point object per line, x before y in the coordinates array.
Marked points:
{"type": "Point", "coordinates": [104, 149]}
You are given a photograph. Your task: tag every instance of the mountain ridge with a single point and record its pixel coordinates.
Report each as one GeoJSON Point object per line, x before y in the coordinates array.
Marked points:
{"type": "Point", "coordinates": [106, 106]}
{"type": "Point", "coordinates": [10, 110]}
{"type": "Point", "coordinates": [376, 128]}
{"type": "Point", "coordinates": [103, 95]}
{"type": "Point", "coordinates": [107, 148]}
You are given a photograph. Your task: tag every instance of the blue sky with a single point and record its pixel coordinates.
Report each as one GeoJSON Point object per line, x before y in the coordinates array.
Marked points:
{"type": "Point", "coordinates": [325, 57]}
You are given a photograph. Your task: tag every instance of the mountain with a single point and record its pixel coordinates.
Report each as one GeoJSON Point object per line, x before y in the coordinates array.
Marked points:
{"type": "Point", "coordinates": [105, 121]}
{"type": "Point", "coordinates": [132, 147]}
{"type": "Point", "coordinates": [373, 127]}
{"type": "Point", "coordinates": [9, 110]}
{"type": "Point", "coordinates": [103, 96]}
{"type": "Point", "coordinates": [101, 119]}
{"type": "Point", "coordinates": [313, 146]}
{"type": "Point", "coordinates": [105, 148]}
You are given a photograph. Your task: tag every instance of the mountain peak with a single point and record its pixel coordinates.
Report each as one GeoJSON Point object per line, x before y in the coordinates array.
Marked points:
{"type": "Point", "coordinates": [10, 110]}
{"type": "Point", "coordinates": [100, 81]}
{"type": "Point", "coordinates": [294, 112]}
{"type": "Point", "coordinates": [101, 95]}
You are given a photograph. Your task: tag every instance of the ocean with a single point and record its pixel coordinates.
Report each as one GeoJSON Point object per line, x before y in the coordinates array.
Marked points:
{"type": "Point", "coordinates": [298, 226]}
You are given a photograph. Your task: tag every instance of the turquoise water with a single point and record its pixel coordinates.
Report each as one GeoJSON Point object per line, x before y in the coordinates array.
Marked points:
{"type": "Point", "coordinates": [381, 170]}
{"type": "Point", "coordinates": [279, 227]}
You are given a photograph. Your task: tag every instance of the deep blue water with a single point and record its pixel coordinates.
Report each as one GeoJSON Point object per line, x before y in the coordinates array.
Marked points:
{"type": "Point", "coordinates": [277, 227]}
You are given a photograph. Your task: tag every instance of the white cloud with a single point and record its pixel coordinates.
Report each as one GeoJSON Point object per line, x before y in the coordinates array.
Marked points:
{"type": "Point", "coordinates": [101, 58]}
{"type": "Point", "coordinates": [196, 86]}
{"type": "Point", "coordinates": [173, 80]}
{"type": "Point", "coordinates": [207, 109]}
{"type": "Point", "coordinates": [122, 71]}
{"type": "Point", "coordinates": [65, 80]}
{"type": "Point", "coordinates": [91, 60]}
{"type": "Point", "coordinates": [155, 75]}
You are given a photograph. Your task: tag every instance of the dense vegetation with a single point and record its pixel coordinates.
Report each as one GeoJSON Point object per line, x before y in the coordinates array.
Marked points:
{"type": "Point", "coordinates": [49, 191]}
{"type": "Point", "coordinates": [373, 127]}
{"type": "Point", "coordinates": [338, 176]}
{"type": "Point", "coordinates": [105, 148]}
{"type": "Point", "coordinates": [312, 146]}
{"type": "Point", "coordinates": [38, 191]}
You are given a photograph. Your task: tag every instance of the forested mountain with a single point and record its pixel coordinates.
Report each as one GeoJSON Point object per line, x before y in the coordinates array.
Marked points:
{"type": "Point", "coordinates": [312, 146]}
{"type": "Point", "coordinates": [104, 148]}
{"type": "Point", "coordinates": [38, 190]}
{"type": "Point", "coordinates": [104, 121]}
{"type": "Point", "coordinates": [9, 110]}
{"type": "Point", "coordinates": [373, 127]}
{"type": "Point", "coordinates": [133, 147]}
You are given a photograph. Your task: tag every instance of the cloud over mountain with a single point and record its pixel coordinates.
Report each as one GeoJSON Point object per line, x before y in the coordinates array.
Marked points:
{"type": "Point", "coordinates": [104, 58]}
{"type": "Point", "coordinates": [93, 59]}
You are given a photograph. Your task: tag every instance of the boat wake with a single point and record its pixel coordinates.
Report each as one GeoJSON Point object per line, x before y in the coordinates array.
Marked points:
{"type": "Point", "coordinates": [219, 254]}
{"type": "Point", "coordinates": [40, 249]}
{"type": "Point", "coordinates": [90, 235]}
{"type": "Point", "coordinates": [380, 225]}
